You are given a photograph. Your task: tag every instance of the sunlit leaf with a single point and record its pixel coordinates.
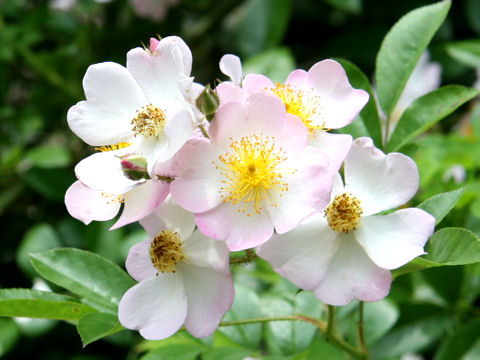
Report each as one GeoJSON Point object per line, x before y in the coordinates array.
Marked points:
{"type": "Point", "coordinates": [467, 52]}
{"type": "Point", "coordinates": [401, 49]}
{"type": "Point", "coordinates": [441, 204]}
{"type": "Point", "coordinates": [95, 326]}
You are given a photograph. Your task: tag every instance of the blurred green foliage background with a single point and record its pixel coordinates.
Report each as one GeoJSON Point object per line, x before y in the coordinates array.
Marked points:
{"type": "Point", "coordinates": [45, 49]}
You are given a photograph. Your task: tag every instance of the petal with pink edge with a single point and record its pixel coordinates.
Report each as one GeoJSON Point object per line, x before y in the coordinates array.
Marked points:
{"type": "Point", "coordinates": [335, 146]}
{"type": "Point", "coordinates": [302, 255]}
{"type": "Point", "coordinates": [141, 202]}
{"type": "Point", "coordinates": [352, 275]}
{"type": "Point", "coordinates": [297, 78]}
{"type": "Point", "coordinates": [209, 294]}
{"type": "Point", "coordinates": [139, 264]}
{"type": "Point", "coordinates": [380, 181]}
{"type": "Point", "coordinates": [157, 306]}
{"type": "Point", "coordinates": [229, 92]}
{"type": "Point", "coordinates": [393, 240]}
{"type": "Point", "coordinates": [113, 97]}
{"type": "Point", "coordinates": [340, 102]}
{"type": "Point", "coordinates": [238, 230]}
{"type": "Point", "coordinates": [206, 252]}
{"type": "Point", "coordinates": [86, 204]}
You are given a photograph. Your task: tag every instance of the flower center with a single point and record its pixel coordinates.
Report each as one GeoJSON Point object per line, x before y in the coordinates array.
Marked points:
{"type": "Point", "coordinates": [252, 173]}
{"type": "Point", "coordinates": [343, 213]}
{"type": "Point", "coordinates": [166, 251]}
{"type": "Point", "coordinates": [112, 199]}
{"type": "Point", "coordinates": [305, 105]}
{"type": "Point", "coordinates": [148, 122]}
{"type": "Point", "coordinates": [118, 146]}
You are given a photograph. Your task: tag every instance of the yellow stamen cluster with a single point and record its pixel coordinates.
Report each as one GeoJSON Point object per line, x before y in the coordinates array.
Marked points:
{"type": "Point", "coordinates": [113, 199]}
{"type": "Point", "coordinates": [166, 251]}
{"type": "Point", "coordinates": [343, 213]}
{"type": "Point", "coordinates": [251, 173]}
{"type": "Point", "coordinates": [148, 122]}
{"type": "Point", "coordinates": [304, 105]}
{"type": "Point", "coordinates": [118, 146]}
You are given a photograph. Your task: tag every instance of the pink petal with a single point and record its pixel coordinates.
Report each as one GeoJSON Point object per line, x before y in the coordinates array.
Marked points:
{"type": "Point", "coordinates": [197, 186]}
{"type": "Point", "coordinates": [302, 255]}
{"type": "Point", "coordinates": [206, 252]}
{"type": "Point", "coordinates": [380, 181]}
{"type": "Point", "coordinates": [157, 306]}
{"type": "Point", "coordinates": [335, 146]}
{"type": "Point", "coordinates": [255, 82]}
{"type": "Point", "coordinates": [209, 294]}
{"type": "Point", "coordinates": [297, 78]}
{"type": "Point", "coordinates": [341, 103]}
{"type": "Point", "coordinates": [393, 240]}
{"type": "Point", "coordinates": [238, 230]}
{"type": "Point", "coordinates": [228, 92]}
{"type": "Point", "coordinates": [113, 97]}
{"type": "Point", "coordinates": [141, 202]}
{"type": "Point", "coordinates": [139, 264]}
{"type": "Point", "coordinates": [86, 204]}
{"type": "Point", "coordinates": [352, 275]}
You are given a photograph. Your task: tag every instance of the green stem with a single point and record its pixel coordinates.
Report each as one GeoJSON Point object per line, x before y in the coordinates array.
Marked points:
{"type": "Point", "coordinates": [204, 131]}
{"type": "Point", "coordinates": [335, 340]}
{"type": "Point", "coordinates": [330, 320]}
{"type": "Point", "coordinates": [360, 325]}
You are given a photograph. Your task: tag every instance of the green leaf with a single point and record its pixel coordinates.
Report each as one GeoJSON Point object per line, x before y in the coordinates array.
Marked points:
{"type": "Point", "coordinates": [453, 246]}
{"type": "Point", "coordinates": [85, 274]}
{"type": "Point", "coordinates": [9, 335]}
{"type": "Point", "coordinates": [50, 183]}
{"type": "Point", "coordinates": [263, 25]}
{"type": "Point", "coordinates": [38, 238]}
{"type": "Point", "coordinates": [401, 49]}
{"type": "Point", "coordinates": [92, 327]}
{"type": "Point", "coordinates": [175, 352]}
{"type": "Point", "coordinates": [246, 305]}
{"type": "Point", "coordinates": [41, 304]}
{"type": "Point", "coordinates": [462, 342]}
{"type": "Point", "coordinates": [290, 337]}
{"type": "Point", "coordinates": [411, 337]}
{"type": "Point", "coordinates": [466, 52]}
{"type": "Point", "coordinates": [379, 318]}
{"type": "Point", "coordinates": [322, 349]}
{"type": "Point", "coordinates": [441, 204]}
{"type": "Point", "coordinates": [369, 114]}
{"type": "Point", "coordinates": [426, 111]}
{"type": "Point", "coordinates": [276, 64]}
{"type": "Point", "coordinates": [48, 157]}
{"type": "Point", "coordinates": [446, 247]}
{"type": "Point", "coordinates": [225, 353]}
{"type": "Point", "coordinates": [349, 6]}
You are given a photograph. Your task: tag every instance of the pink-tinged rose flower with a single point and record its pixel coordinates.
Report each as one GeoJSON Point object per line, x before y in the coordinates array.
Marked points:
{"type": "Point", "coordinates": [256, 174]}
{"type": "Point", "coordinates": [184, 278]}
{"type": "Point", "coordinates": [322, 98]}
{"type": "Point", "coordinates": [109, 178]}
{"type": "Point", "coordinates": [142, 104]}
{"type": "Point", "coordinates": [347, 252]}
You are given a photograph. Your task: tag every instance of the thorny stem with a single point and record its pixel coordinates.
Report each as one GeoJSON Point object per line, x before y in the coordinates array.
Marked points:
{"type": "Point", "coordinates": [337, 341]}
{"type": "Point", "coordinates": [249, 256]}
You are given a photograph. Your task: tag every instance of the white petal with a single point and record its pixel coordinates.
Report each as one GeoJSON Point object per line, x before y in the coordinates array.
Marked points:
{"type": "Point", "coordinates": [302, 255]}
{"type": "Point", "coordinates": [380, 181]}
{"type": "Point", "coordinates": [393, 240]}
{"type": "Point", "coordinates": [170, 215]}
{"type": "Point", "coordinates": [209, 294]}
{"type": "Point", "coordinates": [157, 306]}
{"type": "Point", "coordinates": [102, 171]}
{"type": "Point", "coordinates": [206, 252]}
{"type": "Point", "coordinates": [158, 72]}
{"type": "Point", "coordinates": [86, 204]}
{"type": "Point", "coordinates": [113, 97]}
{"type": "Point", "coordinates": [141, 201]}
{"type": "Point", "coordinates": [231, 66]}
{"type": "Point", "coordinates": [352, 275]}
{"type": "Point", "coordinates": [139, 264]}
{"type": "Point", "coordinates": [178, 129]}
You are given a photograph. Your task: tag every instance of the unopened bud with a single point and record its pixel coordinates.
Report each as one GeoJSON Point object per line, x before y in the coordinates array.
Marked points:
{"type": "Point", "coordinates": [208, 102]}
{"type": "Point", "coordinates": [134, 167]}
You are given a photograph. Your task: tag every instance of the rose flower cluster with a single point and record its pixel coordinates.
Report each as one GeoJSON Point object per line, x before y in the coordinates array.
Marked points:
{"type": "Point", "coordinates": [250, 164]}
